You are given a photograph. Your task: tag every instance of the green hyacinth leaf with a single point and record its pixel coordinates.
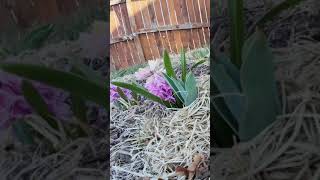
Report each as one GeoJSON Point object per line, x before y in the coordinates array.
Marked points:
{"type": "Point", "coordinates": [259, 87]}
{"type": "Point", "coordinates": [231, 93]}
{"type": "Point", "coordinates": [176, 87]}
{"type": "Point", "coordinates": [37, 103]}
{"type": "Point", "coordinates": [191, 88]}
{"type": "Point", "coordinates": [183, 63]}
{"type": "Point", "coordinates": [142, 91]}
{"type": "Point", "coordinates": [230, 68]}
{"type": "Point", "coordinates": [168, 65]}
{"type": "Point", "coordinates": [71, 82]}
{"type": "Point", "coordinates": [224, 131]}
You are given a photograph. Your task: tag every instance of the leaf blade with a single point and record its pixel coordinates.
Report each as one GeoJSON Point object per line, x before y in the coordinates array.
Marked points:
{"type": "Point", "coordinates": [143, 92]}
{"type": "Point", "coordinates": [167, 64]}
{"type": "Point", "coordinates": [174, 87]}
{"type": "Point", "coordinates": [198, 63]}
{"type": "Point", "coordinates": [183, 63]}
{"type": "Point", "coordinates": [191, 88]}
{"type": "Point", "coordinates": [23, 132]}
{"type": "Point", "coordinates": [225, 85]}
{"type": "Point", "coordinates": [259, 87]}
{"type": "Point", "coordinates": [37, 103]}
{"type": "Point", "coordinates": [70, 82]}
{"type": "Point", "coordinates": [236, 14]}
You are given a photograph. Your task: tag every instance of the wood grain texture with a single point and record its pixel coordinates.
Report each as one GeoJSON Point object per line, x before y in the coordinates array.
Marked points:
{"type": "Point", "coordinates": [145, 28]}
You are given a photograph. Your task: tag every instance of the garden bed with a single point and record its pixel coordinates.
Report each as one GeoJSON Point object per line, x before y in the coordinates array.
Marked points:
{"type": "Point", "coordinates": [151, 141]}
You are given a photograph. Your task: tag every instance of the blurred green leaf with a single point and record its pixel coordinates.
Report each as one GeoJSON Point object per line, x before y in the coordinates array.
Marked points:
{"type": "Point", "coordinates": [236, 13]}
{"type": "Point", "coordinates": [122, 94]}
{"type": "Point", "coordinates": [135, 96]}
{"type": "Point", "coordinates": [183, 63]}
{"type": "Point", "coordinates": [259, 87]}
{"type": "Point", "coordinates": [67, 81]}
{"type": "Point", "coordinates": [142, 91]}
{"type": "Point", "coordinates": [232, 71]}
{"type": "Point", "coordinates": [224, 131]}
{"type": "Point", "coordinates": [4, 52]}
{"type": "Point", "coordinates": [201, 53]}
{"type": "Point", "coordinates": [23, 132]}
{"type": "Point", "coordinates": [78, 105]}
{"type": "Point", "coordinates": [37, 37]}
{"type": "Point", "coordinates": [37, 103]}
{"type": "Point", "coordinates": [226, 85]}
{"type": "Point", "coordinates": [191, 88]}
{"type": "Point", "coordinates": [198, 63]}
{"type": "Point", "coordinates": [168, 66]}
{"type": "Point", "coordinates": [181, 89]}
{"type": "Point", "coordinates": [79, 108]}
{"type": "Point", "coordinates": [176, 87]}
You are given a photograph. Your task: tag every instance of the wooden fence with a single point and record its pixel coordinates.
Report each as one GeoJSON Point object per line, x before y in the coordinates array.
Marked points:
{"type": "Point", "coordinates": [141, 29]}
{"type": "Point", "coordinates": [24, 13]}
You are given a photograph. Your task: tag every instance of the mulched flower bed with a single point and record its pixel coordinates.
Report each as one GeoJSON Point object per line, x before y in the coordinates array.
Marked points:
{"type": "Point", "coordinates": [149, 140]}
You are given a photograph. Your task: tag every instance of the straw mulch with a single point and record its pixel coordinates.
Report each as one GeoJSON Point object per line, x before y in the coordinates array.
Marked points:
{"type": "Point", "coordinates": [81, 159]}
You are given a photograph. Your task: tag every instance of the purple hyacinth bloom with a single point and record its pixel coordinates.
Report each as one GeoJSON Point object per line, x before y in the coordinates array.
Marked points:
{"type": "Point", "coordinates": [114, 95]}
{"type": "Point", "coordinates": [158, 86]}
{"type": "Point", "coordinates": [14, 106]}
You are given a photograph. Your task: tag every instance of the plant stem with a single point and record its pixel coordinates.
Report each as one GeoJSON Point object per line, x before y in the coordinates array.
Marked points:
{"type": "Point", "coordinates": [236, 14]}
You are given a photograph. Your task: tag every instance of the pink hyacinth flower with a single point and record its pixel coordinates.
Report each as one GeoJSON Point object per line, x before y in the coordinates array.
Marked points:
{"type": "Point", "coordinates": [114, 95]}
{"type": "Point", "coordinates": [13, 105]}
{"type": "Point", "coordinates": [158, 86]}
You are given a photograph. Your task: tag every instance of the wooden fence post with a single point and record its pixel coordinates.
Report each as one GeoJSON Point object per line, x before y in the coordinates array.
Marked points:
{"type": "Point", "coordinates": [134, 30]}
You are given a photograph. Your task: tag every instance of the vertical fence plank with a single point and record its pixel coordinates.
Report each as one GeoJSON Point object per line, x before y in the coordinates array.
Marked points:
{"type": "Point", "coordinates": [146, 45]}
{"type": "Point", "coordinates": [185, 35]}
{"type": "Point", "coordinates": [159, 22]}
{"type": "Point", "coordinates": [166, 19]}
{"type": "Point", "coordinates": [202, 9]}
{"type": "Point", "coordinates": [131, 9]}
{"type": "Point", "coordinates": [174, 21]}
{"type": "Point", "coordinates": [194, 19]}
{"type": "Point", "coordinates": [154, 25]}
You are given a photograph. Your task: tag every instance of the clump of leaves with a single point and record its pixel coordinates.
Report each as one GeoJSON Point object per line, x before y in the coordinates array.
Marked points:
{"type": "Point", "coordinates": [248, 99]}
{"type": "Point", "coordinates": [245, 99]}
{"type": "Point", "coordinates": [37, 37]}
{"type": "Point", "coordinates": [184, 89]}
{"type": "Point", "coordinates": [201, 53]}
